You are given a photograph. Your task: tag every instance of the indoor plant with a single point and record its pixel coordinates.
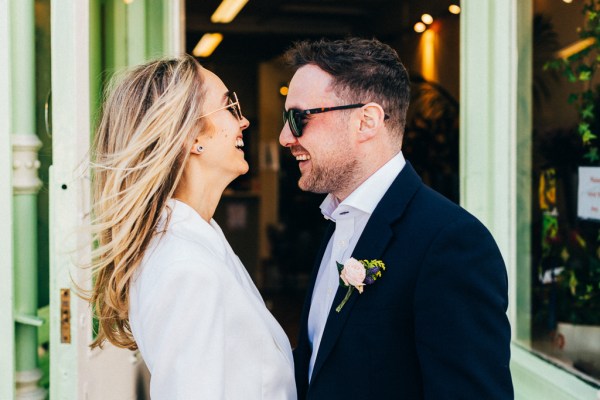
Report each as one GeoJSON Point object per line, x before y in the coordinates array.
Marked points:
{"type": "Point", "coordinates": [575, 246]}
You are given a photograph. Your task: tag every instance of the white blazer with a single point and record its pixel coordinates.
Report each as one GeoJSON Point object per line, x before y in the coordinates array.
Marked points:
{"type": "Point", "coordinates": [199, 320]}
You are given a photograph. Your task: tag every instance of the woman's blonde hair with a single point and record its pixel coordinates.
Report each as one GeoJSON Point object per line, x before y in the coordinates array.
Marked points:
{"type": "Point", "coordinates": [149, 122]}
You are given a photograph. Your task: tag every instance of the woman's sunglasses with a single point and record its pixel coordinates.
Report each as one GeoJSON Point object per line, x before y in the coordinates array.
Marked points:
{"type": "Point", "coordinates": [295, 118]}
{"type": "Point", "coordinates": [233, 105]}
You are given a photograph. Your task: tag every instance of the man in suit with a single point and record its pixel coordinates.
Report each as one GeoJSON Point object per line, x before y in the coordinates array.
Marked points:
{"type": "Point", "coordinates": [434, 325]}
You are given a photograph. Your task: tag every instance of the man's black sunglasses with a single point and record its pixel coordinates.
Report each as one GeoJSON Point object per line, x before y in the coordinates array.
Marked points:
{"type": "Point", "coordinates": [296, 117]}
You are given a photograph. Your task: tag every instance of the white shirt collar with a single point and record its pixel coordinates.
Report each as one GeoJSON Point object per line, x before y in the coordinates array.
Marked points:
{"type": "Point", "coordinates": [365, 197]}
{"type": "Point", "coordinates": [185, 222]}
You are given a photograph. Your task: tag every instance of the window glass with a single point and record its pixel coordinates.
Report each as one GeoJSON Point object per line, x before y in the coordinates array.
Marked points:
{"type": "Point", "coordinates": [565, 230]}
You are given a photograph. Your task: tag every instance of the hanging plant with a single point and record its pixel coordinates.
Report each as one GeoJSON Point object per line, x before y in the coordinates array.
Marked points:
{"type": "Point", "coordinates": [578, 63]}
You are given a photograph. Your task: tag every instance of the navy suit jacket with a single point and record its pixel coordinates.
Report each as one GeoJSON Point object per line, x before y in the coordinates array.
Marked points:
{"type": "Point", "coordinates": [434, 326]}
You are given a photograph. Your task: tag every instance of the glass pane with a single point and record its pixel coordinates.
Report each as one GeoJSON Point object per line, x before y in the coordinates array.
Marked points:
{"type": "Point", "coordinates": [43, 111]}
{"type": "Point", "coordinates": [565, 284]}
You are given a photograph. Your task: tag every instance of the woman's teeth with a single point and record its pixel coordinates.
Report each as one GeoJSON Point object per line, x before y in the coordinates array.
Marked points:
{"type": "Point", "coordinates": [302, 157]}
{"type": "Point", "coordinates": [239, 143]}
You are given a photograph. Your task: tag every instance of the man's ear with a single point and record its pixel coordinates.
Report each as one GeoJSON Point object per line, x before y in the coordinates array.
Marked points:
{"type": "Point", "coordinates": [371, 121]}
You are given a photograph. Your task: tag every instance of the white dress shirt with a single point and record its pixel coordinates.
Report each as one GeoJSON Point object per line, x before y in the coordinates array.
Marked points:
{"type": "Point", "coordinates": [350, 217]}
{"type": "Point", "coordinates": [199, 320]}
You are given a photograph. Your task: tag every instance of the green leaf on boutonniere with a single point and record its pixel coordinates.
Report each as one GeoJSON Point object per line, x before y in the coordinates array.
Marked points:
{"type": "Point", "coordinates": [340, 267]}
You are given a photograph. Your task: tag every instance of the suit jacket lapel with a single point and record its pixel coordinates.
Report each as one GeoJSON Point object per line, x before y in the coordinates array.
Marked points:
{"type": "Point", "coordinates": [302, 353]}
{"type": "Point", "coordinates": [308, 299]}
{"type": "Point", "coordinates": [371, 245]}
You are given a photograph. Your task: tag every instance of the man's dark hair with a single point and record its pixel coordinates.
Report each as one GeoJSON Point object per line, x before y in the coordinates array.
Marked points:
{"type": "Point", "coordinates": [363, 70]}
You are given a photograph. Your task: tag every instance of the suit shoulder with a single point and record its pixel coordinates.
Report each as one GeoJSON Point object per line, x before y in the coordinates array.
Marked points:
{"type": "Point", "coordinates": [437, 205]}
{"type": "Point", "coordinates": [432, 211]}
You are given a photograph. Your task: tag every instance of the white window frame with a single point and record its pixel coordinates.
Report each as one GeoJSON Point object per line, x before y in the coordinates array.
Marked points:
{"type": "Point", "coordinates": [7, 331]}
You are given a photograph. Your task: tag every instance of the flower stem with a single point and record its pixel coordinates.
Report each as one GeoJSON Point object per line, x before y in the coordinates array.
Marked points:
{"type": "Point", "coordinates": [348, 293]}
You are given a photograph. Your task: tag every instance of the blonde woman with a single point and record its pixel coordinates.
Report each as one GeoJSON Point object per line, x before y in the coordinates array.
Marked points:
{"type": "Point", "coordinates": [166, 280]}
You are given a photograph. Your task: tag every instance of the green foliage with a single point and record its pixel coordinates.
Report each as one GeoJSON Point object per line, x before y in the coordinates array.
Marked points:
{"type": "Point", "coordinates": [579, 69]}
{"type": "Point", "coordinates": [579, 295]}
{"type": "Point", "coordinates": [572, 253]}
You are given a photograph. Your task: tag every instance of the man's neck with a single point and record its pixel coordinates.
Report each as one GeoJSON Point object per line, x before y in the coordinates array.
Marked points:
{"type": "Point", "coordinates": [368, 168]}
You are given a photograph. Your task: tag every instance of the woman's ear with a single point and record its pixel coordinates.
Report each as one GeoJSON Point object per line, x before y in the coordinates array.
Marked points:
{"type": "Point", "coordinates": [371, 121]}
{"type": "Point", "coordinates": [197, 148]}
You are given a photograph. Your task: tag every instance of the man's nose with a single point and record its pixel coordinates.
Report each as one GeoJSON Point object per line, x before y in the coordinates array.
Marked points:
{"type": "Point", "coordinates": [286, 138]}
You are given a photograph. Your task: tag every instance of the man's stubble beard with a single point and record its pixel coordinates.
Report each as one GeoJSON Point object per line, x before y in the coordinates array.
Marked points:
{"type": "Point", "coordinates": [329, 178]}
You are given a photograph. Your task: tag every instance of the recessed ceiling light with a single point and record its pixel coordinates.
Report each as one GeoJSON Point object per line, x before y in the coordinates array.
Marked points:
{"type": "Point", "coordinates": [454, 9]}
{"type": "Point", "coordinates": [427, 19]}
{"type": "Point", "coordinates": [420, 27]}
{"type": "Point", "coordinates": [207, 44]}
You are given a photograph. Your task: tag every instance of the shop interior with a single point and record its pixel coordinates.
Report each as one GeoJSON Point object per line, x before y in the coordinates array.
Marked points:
{"type": "Point", "coordinates": [274, 227]}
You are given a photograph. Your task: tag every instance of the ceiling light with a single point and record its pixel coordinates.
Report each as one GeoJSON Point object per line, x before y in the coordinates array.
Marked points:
{"type": "Point", "coordinates": [227, 11]}
{"type": "Point", "coordinates": [420, 27]}
{"type": "Point", "coordinates": [427, 19]}
{"type": "Point", "coordinates": [454, 9]}
{"type": "Point", "coordinates": [568, 1]}
{"type": "Point", "coordinates": [207, 44]}
{"type": "Point", "coordinates": [575, 48]}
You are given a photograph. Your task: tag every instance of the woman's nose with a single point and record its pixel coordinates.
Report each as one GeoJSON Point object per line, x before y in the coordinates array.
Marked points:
{"type": "Point", "coordinates": [244, 123]}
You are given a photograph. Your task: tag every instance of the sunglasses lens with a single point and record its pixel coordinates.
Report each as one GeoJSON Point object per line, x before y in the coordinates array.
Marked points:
{"type": "Point", "coordinates": [292, 117]}
{"type": "Point", "coordinates": [297, 122]}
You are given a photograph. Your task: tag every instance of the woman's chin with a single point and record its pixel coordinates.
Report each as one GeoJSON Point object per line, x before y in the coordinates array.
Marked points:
{"type": "Point", "coordinates": [244, 170]}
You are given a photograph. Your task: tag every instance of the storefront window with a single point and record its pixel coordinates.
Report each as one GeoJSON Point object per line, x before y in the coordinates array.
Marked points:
{"type": "Point", "coordinates": [565, 230]}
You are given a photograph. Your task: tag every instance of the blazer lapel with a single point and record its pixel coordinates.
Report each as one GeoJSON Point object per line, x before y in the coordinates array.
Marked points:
{"type": "Point", "coordinates": [242, 276]}
{"type": "Point", "coordinates": [279, 336]}
{"type": "Point", "coordinates": [302, 353]}
{"type": "Point", "coordinates": [308, 299]}
{"type": "Point", "coordinates": [371, 245]}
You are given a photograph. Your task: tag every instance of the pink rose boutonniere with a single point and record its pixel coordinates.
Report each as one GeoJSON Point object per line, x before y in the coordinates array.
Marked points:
{"type": "Point", "coordinates": [356, 274]}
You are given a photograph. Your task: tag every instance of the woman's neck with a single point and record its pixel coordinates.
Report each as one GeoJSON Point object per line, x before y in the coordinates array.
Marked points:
{"type": "Point", "coordinates": [203, 197]}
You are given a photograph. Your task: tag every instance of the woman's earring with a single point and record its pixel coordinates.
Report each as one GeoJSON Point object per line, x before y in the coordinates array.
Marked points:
{"type": "Point", "coordinates": [199, 149]}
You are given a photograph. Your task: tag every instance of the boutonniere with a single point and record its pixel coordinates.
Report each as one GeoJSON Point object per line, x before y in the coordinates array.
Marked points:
{"type": "Point", "coordinates": [356, 274]}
